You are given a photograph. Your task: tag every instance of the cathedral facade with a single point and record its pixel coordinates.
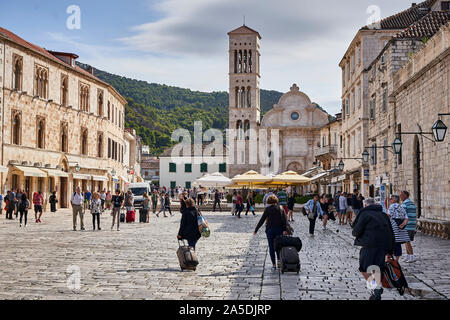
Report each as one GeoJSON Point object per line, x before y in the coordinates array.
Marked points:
{"type": "Point", "coordinates": [287, 136]}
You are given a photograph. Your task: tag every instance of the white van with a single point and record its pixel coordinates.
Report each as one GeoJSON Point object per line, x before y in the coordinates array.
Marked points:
{"type": "Point", "coordinates": [138, 190]}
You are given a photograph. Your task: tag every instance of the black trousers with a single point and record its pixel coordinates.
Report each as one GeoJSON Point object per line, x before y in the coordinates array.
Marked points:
{"type": "Point", "coordinates": [96, 216]}
{"type": "Point", "coordinates": [312, 225]}
{"type": "Point", "coordinates": [23, 214]}
{"type": "Point", "coordinates": [215, 203]}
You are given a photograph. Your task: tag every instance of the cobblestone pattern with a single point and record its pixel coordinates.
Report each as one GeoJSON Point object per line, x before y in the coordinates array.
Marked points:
{"type": "Point", "coordinates": [140, 262]}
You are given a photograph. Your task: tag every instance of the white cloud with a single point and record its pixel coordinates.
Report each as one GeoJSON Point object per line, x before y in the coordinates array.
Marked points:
{"type": "Point", "coordinates": [303, 42]}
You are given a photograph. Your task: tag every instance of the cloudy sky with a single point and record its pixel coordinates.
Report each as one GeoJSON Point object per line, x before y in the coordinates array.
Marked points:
{"type": "Point", "coordinates": [184, 42]}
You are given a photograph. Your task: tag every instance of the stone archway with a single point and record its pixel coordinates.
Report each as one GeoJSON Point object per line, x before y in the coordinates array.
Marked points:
{"type": "Point", "coordinates": [296, 167]}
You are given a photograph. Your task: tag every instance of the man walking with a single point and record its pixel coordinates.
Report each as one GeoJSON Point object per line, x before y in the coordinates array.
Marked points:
{"type": "Point", "coordinates": [373, 232]}
{"type": "Point", "coordinates": [342, 208]}
{"type": "Point", "coordinates": [282, 200]}
{"type": "Point", "coordinates": [314, 210]}
{"type": "Point", "coordinates": [411, 211]}
{"type": "Point", "coordinates": [217, 198]}
{"type": "Point", "coordinates": [77, 202]}
{"type": "Point", "coordinates": [154, 200]}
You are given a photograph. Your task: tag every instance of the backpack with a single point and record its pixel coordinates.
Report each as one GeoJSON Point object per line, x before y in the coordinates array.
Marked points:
{"type": "Point", "coordinates": [393, 276]}
{"type": "Point", "coordinates": [23, 205]}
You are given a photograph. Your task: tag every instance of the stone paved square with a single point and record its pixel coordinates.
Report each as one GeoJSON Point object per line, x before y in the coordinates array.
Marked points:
{"type": "Point", "coordinates": [140, 262]}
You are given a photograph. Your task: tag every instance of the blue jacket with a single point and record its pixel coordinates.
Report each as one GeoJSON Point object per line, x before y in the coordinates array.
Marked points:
{"type": "Point", "coordinates": [310, 205]}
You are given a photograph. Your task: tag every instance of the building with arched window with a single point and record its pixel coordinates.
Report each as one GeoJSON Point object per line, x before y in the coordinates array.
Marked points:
{"type": "Point", "coordinates": [55, 132]}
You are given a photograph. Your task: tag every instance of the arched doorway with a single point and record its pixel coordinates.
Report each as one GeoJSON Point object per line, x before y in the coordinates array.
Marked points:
{"type": "Point", "coordinates": [417, 176]}
{"type": "Point", "coordinates": [296, 167]}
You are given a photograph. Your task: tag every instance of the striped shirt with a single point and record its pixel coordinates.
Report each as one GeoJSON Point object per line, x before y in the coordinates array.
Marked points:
{"type": "Point", "coordinates": [282, 198]}
{"type": "Point", "coordinates": [411, 211]}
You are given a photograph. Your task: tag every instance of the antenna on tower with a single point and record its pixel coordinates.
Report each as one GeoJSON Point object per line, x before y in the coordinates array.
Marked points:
{"type": "Point", "coordinates": [244, 20]}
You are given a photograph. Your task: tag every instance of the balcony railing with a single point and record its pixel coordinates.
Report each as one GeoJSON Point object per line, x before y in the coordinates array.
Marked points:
{"type": "Point", "coordinates": [328, 150]}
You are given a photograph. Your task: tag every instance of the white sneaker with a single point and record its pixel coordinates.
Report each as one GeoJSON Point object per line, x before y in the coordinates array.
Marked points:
{"type": "Point", "coordinates": [412, 260]}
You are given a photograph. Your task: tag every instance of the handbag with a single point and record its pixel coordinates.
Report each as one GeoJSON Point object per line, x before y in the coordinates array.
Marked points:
{"type": "Point", "coordinates": [203, 226]}
{"type": "Point", "coordinates": [251, 208]}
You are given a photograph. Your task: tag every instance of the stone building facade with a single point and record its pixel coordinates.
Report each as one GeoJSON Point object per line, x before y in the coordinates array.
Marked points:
{"type": "Point", "coordinates": [363, 50]}
{"type": "Point", "coordinates": [61, 126]}
{"type": "Point", "coordinates": [286, 137]}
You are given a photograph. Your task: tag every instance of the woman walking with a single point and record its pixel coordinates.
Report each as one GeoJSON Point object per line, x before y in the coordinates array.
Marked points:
{"type": "Point", "coordinates": [189, 226]}
{"type": "Point", "coordinates": [291, 204]}
{"type": "Point", "coordinates": [53, 201]}
{"type": "Point", "coordinates": [24, 205]}
{"type": "Point", "coordinates": [250, 204]}
{"type": "Point", "coordinates": [325, 205]}
{"type": "Point", "coordinates": [96, 210]}
{"type": "Point", "coordinates": [275, 226]}
{"type": "Point", "coordinates": [314, 210]}
{"type": "Point", "coordinates": [399, 220]}
{"type": "Point", "coordinates": [146, 207]}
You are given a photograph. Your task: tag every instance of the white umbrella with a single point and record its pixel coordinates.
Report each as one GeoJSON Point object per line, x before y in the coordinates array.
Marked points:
{"type": "Point", "coordinates": [215, 180]}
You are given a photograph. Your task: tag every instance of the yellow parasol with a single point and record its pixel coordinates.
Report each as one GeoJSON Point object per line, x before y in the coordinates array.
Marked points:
{"type": "Point", "coordinates": [251, 179]}
{"type": "Point", "coordinates": [289, 178]}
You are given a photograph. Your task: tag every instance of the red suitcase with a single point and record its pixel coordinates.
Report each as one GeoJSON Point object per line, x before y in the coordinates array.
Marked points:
{"type": "Point", "coordinates": [131, 216]}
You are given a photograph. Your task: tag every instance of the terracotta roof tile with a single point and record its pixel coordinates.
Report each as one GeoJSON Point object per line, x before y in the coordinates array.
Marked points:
{"type": "Point", "coordinates": [427, 26]}
{"type": "Point", "coordinates": [244, 30]}
{"type": "Point", "coordinates": [405, 18]}
{"type": "Point", "coordinates": [15, 38]}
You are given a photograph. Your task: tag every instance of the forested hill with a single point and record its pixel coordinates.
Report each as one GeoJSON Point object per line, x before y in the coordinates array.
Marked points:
{"type": "Point", "coordinates": [155, 110]}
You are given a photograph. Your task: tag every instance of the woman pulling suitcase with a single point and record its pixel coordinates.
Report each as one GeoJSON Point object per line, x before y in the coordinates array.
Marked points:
{"type": "Point", "coordinates": [189, 231]}
{"type": "Point", "coordinates": [276, 226]}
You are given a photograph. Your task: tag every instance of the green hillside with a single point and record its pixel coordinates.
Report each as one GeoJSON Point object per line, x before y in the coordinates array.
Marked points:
{"type": "Point", "coordinates": [155, 110]}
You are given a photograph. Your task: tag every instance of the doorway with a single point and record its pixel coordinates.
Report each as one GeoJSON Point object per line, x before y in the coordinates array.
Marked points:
{"type": "Point", "coordinates": [63, 192]}
{"type": "Point", "coordinates": [417, 177]}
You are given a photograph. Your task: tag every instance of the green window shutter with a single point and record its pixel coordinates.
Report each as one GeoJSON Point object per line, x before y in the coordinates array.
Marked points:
{"type": "Point", "coordinates": [172, 167]}
{"type": "Point", "coordinates": [173, 184]}
{"type": "Point", "coordinates": [223, 168]}
{"type": "Point", "coordinates": [188, 167]}
{"type": "Point", "coordinates": [204, 168]}
{"type": "Point", "coordinates": [188, 185]}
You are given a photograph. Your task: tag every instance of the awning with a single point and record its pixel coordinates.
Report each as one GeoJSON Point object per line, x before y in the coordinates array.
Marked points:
{"type": "Point", "coordinates": [32, 172]}
{"type": "Point", "coordinates": [3, 169]}
{"type": "Point", "coordinates": [100, 178]}
{"type": "Point", "coordinates": [56, 173]}
{"type": "Point", "coordinates": [80, 176]}
{"type": "Point", "coordinates": [320, 175]}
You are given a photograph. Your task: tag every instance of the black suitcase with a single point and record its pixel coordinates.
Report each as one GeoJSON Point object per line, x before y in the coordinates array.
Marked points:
{"type": "Point", "coordinates": [122, 217]}
{"type": "Point", "coordinates": [142, 216]}
{"type": "Point", "coordinates": [282, 241]}
{"type": "Point", "coordinates": [290, 261]}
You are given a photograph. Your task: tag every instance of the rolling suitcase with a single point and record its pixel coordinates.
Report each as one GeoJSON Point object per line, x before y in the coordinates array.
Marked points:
{"type": "Point", "coordinates": [290, 261]}
{"type": "Point", "coordinates": [142, 216]}
{"type": "Point", "coordinates": [131, 216]}
{"type": "Point", "coordinates": [186, 256]}
{"type": "Point", "coordinates": [122, 217]}
{"type": "Point", "coordinates": [282, 241]}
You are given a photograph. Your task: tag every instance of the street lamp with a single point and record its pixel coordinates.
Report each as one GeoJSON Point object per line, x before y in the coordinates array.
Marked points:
{"type": "Point", "coordinates": [77, 168]}
{"type": "Point", "coordinates": [113, 172]}
{"type": "Point", "coordinates": [341, 165]}
{"type": "Point", "coordinates": [365, 156]}
{"type": "Point", "coordinates": [439, 131]}
{"type": "Point", "coordinates": [397, 146]}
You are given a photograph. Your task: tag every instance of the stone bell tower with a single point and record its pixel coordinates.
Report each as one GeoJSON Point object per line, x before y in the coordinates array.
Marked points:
{"type": "Point", "coordinates": [245, 110]}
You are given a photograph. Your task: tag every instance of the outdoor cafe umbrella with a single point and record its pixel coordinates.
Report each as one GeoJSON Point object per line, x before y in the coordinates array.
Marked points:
{"type": "Point", "coordinates": [251, 178]}
{"type": "Point", "coordinates": [214, 180]}
{"type": "Point", "coordinates": [290, 178]}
